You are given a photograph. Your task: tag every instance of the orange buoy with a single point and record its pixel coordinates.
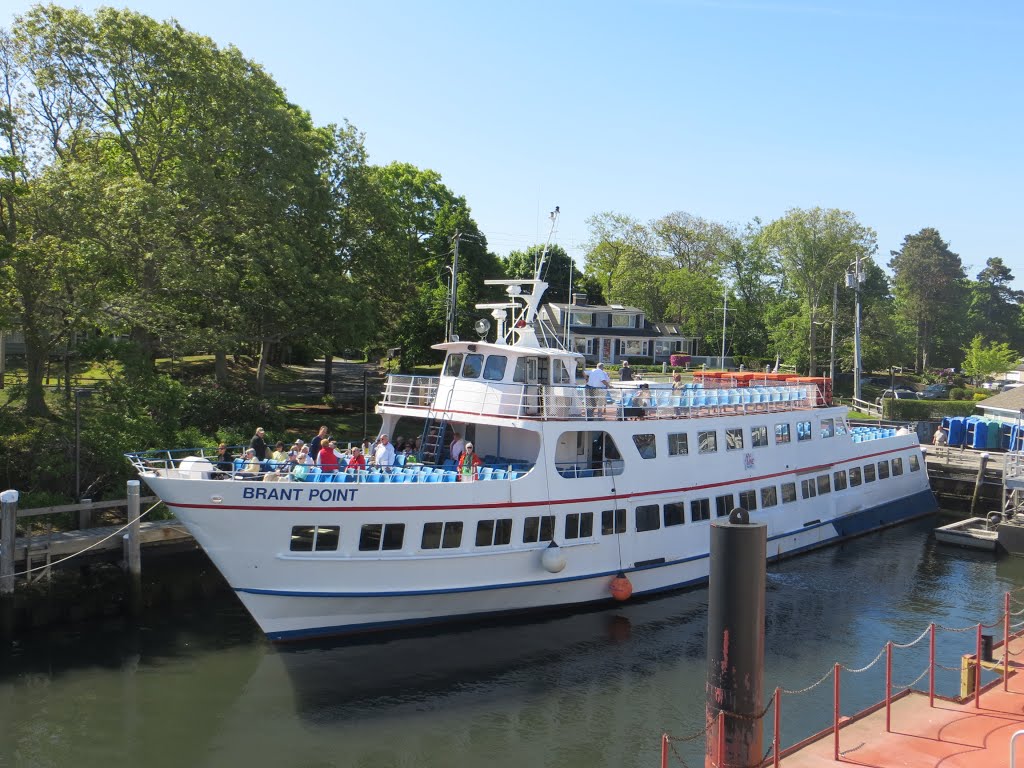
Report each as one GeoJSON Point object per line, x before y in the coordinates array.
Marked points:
{"type": "Point", "coordinates": [621, 587]}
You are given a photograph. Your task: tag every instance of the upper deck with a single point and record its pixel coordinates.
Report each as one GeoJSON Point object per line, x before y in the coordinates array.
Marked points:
{"type": "Point", "coordinates": [458, 398]}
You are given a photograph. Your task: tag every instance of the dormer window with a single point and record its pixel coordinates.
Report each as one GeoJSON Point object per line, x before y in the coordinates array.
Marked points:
{"type": "Point", "coordinates": [453, 364]}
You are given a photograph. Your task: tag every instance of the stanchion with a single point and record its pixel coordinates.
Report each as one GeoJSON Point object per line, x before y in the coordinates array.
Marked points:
{"type": "Point", "coordinates": [720, 758]}
{"type": "Point", "coordinates": [1006, 641]}
{"type": "Point", "coordinates": [888, 687]}
{"type": "Point", "coordinates": [977, 671]}
{"type": "Point", "coordinates": [835, 713]}
{"type": "Point", "coordinates": [664, 750]}
{"type": "Point", "coordinates": [931, 664]}
{"type": "Point", "coordinates": [776, 736]}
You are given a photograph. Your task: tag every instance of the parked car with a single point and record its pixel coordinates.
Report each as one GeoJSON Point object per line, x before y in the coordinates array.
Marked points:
{"type": "Point", "coordinates": [898, 394]}
{"type": "Point", "coordinates": [936, 392]}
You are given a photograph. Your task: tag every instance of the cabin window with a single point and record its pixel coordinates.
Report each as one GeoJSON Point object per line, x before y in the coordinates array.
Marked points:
{"type": "Point", "coordinates": [493, 532]}
{"type": "Point", "coordinates": [700, 509]}
{"type": "Point", "coordinates": [788, 493]}
{"type": "Point", "coordinates": [734, 439]}
{"type": "Point", "coordinates": [840, 426]}
{"type": "Point", "coordinates": [897, 466]}
{"type": "Point", "coordinates": [758, 437]}
{"type": "Point", "coordinates": [540, 528]}
{"type": "Point", "coordinates": [560, 373]}
{"type": "Point", "coordinates": [839, 480]}
{"type": "Point", "coordinates": [675, 513]}
{"type": "Point", "coordinates": [375, 537]}
{"type": "Point", "coordinates": [315, 538]}
{"type": "Point", "coordinates": [613, 521]}
{"type": "Point", "coordinates": [441, 535]}
{"type": "Point", "coordinates": [645, 444]}
{"type": "Point", "coordinates": [808, 489]}
{"type": "Point", "coordinates": [854, 476]}
{"type": "Point", "coordinates": [494, 369]}
{"type": "Point", "coordinates": [803, 431]}
{"type": "Point", "coordinates": [707, 442]}
{"type": "Point", "coordinates": [883, 470]}
{"type": "Point", "coordinates": [769, 496]}
{"type": "Point", "coordinates": [677, 444]}
{"type": "Point", "coordinates": [520, 372]}
{"type": "Point", "coordinates": [724, 505]}
{"type": "Point", "coordinates": [869, 473]}
{"type": "Point", "coordinates": [472, 366]}
{"type": "Point", "coordinates": [453, 364]}
{"type": "Point", "coordinates": [828, 427]}
{"type": "Point", "coordinates": [781, 434]}
{"type": "Point", "coordinates": [824, 484]}
{"type": "Point", "coordinates": [648, 517]}
{"type": "Point", "coordinates": [579, 525]}
{"type": "Point", "coordinates": [915, 465]}
{"type": "Point", "coordinates": [748, 500]}
{"type": "Point", "coordinates": [588, 454]}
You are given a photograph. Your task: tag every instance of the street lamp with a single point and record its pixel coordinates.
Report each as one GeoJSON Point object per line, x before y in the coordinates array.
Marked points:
{"type": "Point", "coordinates": [79, 394]}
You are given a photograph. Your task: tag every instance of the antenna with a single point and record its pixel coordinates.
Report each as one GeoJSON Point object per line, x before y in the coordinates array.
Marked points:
{"type": "Point", "coordinates": [542, 261]}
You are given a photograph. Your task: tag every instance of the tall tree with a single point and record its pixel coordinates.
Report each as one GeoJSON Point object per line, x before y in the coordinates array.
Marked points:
{"type": "Point", "coordinates": [816, 246]}
{"type": "Point", "coordinates": [560, 274]}
{"type": "Point", "coordinates": [929, 284]}
{"type": "Point", "coordinates": [995, 308]}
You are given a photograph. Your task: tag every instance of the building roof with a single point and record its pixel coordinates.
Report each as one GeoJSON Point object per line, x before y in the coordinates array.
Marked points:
{"type": "Point", "coordinates": [1010, 401]}
{"type": "Point", "coordinates": [597, 307]}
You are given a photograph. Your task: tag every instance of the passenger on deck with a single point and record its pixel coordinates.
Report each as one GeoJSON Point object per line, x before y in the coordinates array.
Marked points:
{"type": "Point", "coordinates": [358, 461]}
{"type": "Point", "coordinates": [280, 454]}
{"type": "Point", "coordinates": [316, 443]}
{"type": "Point", "coordinates": [642, 400]}
{"type": "Point", "coordinates": [625, 372]}
{"type": "Point", "coordinates": [468, 465]}
{"type": "Point", "coordinates": [457, 447]}
{"type": "Point", "coordinates": [597, 380]}
{"type": "Point", "coordinates": [677, 383]}
{"type": "Point", "coordinates": [326, 459]}
{"type": "Point", "coordinates": [384, 453]}
{"type": "Point", "coordinates": [251, 468]}
{"type": "Point", "coordinates": [259, 444]}
{"type": "Point", "coordinates": [225, 461]}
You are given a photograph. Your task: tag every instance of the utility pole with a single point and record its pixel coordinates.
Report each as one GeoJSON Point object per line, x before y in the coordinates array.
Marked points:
{"type": "Point", "coordinates": [832, 345]}
{"type": "Point", "coordinates": [854, 281]}
{"type": "Point", "coordinates": [725, 311]}
{"type": "Point", "coordinates": [452, 308]}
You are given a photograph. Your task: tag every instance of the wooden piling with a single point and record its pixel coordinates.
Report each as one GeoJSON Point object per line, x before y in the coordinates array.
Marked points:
{"type": "Point", "coordinates": [983, 461]}
{"type": "Point", "coordinates": [133, 550]}
{"type": "Point", "coordinates": [8, 519]}
{"type": "Point", "coordinates": [85, 514]}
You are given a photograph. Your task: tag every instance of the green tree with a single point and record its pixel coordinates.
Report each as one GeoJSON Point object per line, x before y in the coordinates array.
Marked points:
{"type": "Point", "coordinates": [982, 362]}
{"type": "Point", "coordinates": [995, 309]}
{"type": "Point", "coordinates": [560, 272]}
{"type": "Point", "coordinates": [929, 285]}
{"type": "Point", "coordinates": [815, 247]}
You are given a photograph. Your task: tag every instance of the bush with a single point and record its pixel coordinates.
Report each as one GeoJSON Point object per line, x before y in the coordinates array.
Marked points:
{"type": "Point", "coordinates": [979, 396]}
{"type": "Point", "coordinates": [922, 410]}
{"type": "Point", "coordinates": [679, 361]}
{"type": "Point", "coordinates": [958, 393]}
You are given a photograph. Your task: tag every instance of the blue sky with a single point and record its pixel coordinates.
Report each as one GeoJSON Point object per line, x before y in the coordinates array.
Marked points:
{"type": "Point", "coordinates": [908, 113]}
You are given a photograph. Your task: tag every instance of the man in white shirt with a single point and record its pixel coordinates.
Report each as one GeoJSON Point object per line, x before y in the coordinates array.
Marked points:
{"type": "Point", "coordinates": [597, 379]}
{"type": "Point", "coordinates": [458, 446]}
{"type": "Point", "coordinates": [384, 455]}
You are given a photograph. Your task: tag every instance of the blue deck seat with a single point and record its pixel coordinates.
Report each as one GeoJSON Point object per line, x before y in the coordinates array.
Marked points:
{"type": "Point", "coordinates": [313, 475]}
{"type": "Point", "coordinates": [433, 477]}
{"type": "Point", "coordinates": [449, 476]}
{"type": "Point", "coordinates": [499, 474]}
{"type": "Point", "coordinates": [484, 473]}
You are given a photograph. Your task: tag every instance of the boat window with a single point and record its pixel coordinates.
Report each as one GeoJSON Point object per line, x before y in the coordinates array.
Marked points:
{"type": "Point", "coordinates": [827, 428]}
{"type": "Point", "coordinates": [315, 538]}
{"type": "Point", "coordinates": [915, 465]}
{"type": "Point", "coordinates": [883, 470]}
{"type": "Point", "coordinates": [540, 528]}
{"type": "Point", "coordinates": [494, 369]}
{"type": "Point", "coordinates": [839, 480]}
{"type": "Point", "coordinates": [734, 439]}
{"type": "Point", "coordinates": [788, 493]}
{"type": "Point", "coordinates": [781, 433]}
{"type": "Point", "coordinates": [520, 373]}
{"type": "Point", "coordinates": [453, 364]}
{"type": "Point", "coordinates": [677, 444]}
{"type": "Point", "coordinates": [613, 521]}
{"type": "Point", "coordinates": [441, 535]}
{"type": "Point", "coordinates": [493, 532]}
{"type": "Point", "coordinates": [724, 505]}
{"type": "Point", "coordinates": [769, 496]}
{"type": "Point", "coordinates": [376, 537]}
{"type": "Point", "coordinates": [472, 366]}
{"type": "Point", "coordinates": [707, 442]}
{"type": "Point", "coordinates": [560, 373]}
{"type": "Point", "coordinates": [897, 466]}
{"type": "Point", "coordinates": [645, 445]}
{"type": "Point", "coordinates": [675, 513]}
{"type": "Point", "coordinates": [869, 473]}
{"type": "Point", "coordinates": [824, 484]}
{"type": "Point", "coordinates": [700, 509]}
{"type": "Point", "coordinates": [803, 431]}
{"type": "Point", "coordinates": [748, 500]}
{"type": "Point", "coordinates": [579, 525]}
{"type": "Point", "coordinates": [841, 426]}
{"type": "Point", "coordinates": [759, 436]}
{"type": "Point", "coordinates": [808, 489]}
{"type": "Point", "coordinates": [648, 517]}
{"type": "Point", "coordinates": [854, 476]}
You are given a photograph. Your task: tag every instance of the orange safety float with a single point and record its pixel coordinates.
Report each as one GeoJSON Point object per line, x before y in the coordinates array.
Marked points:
{"type": "Point", "coordinates": [621, 587]}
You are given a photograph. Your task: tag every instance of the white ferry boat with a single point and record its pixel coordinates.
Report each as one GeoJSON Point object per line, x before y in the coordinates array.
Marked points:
{"type": "Point", "coordinates": [578, 500]}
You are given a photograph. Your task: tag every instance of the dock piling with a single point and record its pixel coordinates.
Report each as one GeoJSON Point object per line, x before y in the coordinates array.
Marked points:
{"type": "Point", "coordinates": [133, 550]}
{"type": "Point", "coordinates": [983, 462]}
{"type": "Point", "coordinates": [8, 520]}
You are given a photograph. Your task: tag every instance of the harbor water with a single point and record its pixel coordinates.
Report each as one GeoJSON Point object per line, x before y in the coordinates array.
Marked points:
{"type": "Point", "coordinates": [197, 685]}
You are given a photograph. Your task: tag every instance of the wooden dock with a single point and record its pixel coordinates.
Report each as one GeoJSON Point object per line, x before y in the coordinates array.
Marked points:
{"type": "Point", "coordinates": [954, 474]}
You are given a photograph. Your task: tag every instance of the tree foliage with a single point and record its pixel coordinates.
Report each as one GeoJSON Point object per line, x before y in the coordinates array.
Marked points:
{"type": "Point", "coordinates": [983, 361]}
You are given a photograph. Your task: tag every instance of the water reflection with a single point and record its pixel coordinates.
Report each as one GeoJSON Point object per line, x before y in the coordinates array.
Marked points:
{"type": "Point", "coordinates": [582, 689]}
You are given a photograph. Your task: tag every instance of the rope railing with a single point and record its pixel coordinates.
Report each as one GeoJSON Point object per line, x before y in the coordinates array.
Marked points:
{"type": "Point", "coordinates": [972, 665]}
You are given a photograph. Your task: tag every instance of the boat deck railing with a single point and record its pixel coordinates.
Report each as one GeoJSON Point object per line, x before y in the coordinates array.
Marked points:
{"type": "Point", "coordinates": [194, 464]}
{"type": "Point", "coordinates": [564, 402]}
